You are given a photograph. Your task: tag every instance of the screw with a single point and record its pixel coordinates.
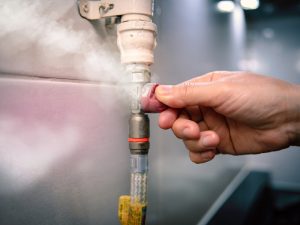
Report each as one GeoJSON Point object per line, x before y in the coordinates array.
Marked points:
{"type": "Point", "coordinates": [111, 6]}
{"type": "Point", "coordinates": [85, 8]}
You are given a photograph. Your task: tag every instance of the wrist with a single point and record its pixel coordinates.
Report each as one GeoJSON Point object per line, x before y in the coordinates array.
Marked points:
{"type": "Point", "coordinates": [294, 102]}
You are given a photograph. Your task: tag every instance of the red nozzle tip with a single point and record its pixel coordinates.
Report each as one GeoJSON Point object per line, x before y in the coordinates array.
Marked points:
{"type": "Point", "coordinates": [149, 102]}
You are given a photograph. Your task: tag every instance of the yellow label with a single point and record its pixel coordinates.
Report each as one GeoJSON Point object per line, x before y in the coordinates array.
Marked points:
{"type": "Point", "coordinates": [124, 204]}
{"type": "Point", "coordinates": [131, 213]}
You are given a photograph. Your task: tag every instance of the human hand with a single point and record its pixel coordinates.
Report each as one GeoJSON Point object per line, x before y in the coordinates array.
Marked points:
{"type": "Point", "coordinates": [231, 113]}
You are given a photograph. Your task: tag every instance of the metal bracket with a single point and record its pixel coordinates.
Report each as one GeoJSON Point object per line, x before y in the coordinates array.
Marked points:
{"type": "Point", "coordinates": [94, 10]}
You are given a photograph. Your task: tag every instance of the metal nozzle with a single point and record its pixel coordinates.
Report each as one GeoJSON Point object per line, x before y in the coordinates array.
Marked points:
{"type": "Point", "coordinates": [139, 132]}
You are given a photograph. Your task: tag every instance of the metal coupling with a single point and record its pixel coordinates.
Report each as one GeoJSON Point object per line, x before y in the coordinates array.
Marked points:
{"type": "Point", "coordinates": [139, 133]}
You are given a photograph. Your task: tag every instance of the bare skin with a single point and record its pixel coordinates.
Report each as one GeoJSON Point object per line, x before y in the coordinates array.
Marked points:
{"type": "Point", "coordinates": [232, 113]}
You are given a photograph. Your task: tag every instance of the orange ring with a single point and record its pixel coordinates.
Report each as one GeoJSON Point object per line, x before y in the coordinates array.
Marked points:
{"type": "Point", "coordinates": [138, 139]}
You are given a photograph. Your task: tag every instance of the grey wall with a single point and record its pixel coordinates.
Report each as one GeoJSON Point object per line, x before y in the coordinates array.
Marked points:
{"type": "Point", "coordinates": [193, 39]}
{"type": "Point", "coordinates": [274, 49]}
{"type": "Point", "coordinates": [63, 115]}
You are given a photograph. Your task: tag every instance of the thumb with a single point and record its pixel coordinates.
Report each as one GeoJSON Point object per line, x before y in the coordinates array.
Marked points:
{"type": "Point", "coordinates": [209, 94]}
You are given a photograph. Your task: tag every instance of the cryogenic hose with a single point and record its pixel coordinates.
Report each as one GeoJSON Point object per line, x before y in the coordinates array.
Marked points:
{"type": "Point", "coordinates": [138, 184]}
{"type": "Point", "coordinates": [132, 209]}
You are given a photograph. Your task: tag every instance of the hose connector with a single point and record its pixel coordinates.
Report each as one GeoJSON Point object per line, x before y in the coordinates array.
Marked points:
{"type": "Point", "coordinates": [139, 133]}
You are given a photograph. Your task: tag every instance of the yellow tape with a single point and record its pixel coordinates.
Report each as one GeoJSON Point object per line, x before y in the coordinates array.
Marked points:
{"type": "Point", "coordinates": [131, 213]}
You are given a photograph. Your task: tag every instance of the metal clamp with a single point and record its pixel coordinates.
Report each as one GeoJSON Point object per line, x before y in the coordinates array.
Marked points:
{"type": "Point", "coordinates": [94, 10]}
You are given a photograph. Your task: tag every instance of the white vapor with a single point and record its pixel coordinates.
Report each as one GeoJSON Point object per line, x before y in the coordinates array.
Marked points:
{"type": "Point", "coordinates": [26, 157]}
{"type": "Point", "coordinates": [48, 39]}
{"type": "Point", "coordinates": [59, 40]}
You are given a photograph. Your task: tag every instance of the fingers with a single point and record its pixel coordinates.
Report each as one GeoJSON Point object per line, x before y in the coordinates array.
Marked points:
{"type": "Point", "coordinates": [205, 91]}
{"type": "Point", "coordinates": [184, 128]}
{"type": "Point", "coordinates": [194, 113]}
{"type": "Point", "coordinates": [202, 157]}
{"type": "Point", "coordinates": [208, 140]}
{"type": "Point", "coordinates": [167, 118]}
{"type": "Point", "coordinates": [200, 141]}
{"type": "Point", "coordinates": [203, 149]}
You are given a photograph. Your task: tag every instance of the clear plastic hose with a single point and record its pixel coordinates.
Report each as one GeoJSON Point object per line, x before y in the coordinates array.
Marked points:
{"type": "Point", "coordinates": [138, 186]}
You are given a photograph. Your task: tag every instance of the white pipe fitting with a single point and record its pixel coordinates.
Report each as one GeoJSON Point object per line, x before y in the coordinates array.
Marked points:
{"type": "Point", "coordinates": [137, 39]}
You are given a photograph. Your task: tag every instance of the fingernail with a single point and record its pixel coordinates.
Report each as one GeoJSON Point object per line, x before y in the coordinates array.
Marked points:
{"type": "Point", "coordinates": [207, 141]}
{"type": "Point", "coordinates": [164, 89]}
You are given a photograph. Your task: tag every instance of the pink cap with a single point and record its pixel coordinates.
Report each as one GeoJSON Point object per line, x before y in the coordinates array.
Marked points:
{"type": "Point", "coordinates": [149, 103]}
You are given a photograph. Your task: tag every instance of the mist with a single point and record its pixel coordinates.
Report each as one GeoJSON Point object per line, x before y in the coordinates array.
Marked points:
{"type": "Point", "coordinates": [57, 43]}
{"type": "Point", "coordinates": [49, 39]}
{"type": "Point", "coordinates": [26, 157]}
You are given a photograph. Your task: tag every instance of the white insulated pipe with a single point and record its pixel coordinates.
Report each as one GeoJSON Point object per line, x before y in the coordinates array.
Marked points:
{"type": "Point", "coordinates": [137, 39]}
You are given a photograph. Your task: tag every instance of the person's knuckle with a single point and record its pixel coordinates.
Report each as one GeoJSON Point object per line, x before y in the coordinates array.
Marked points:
{"type": "Point", "coordinates": [190, 145]}
{"type": "Point", "coordinates": [194, 159]}
{"type": "Point", "coordinates": [186, 91]}
{"type": "Point", "coordinates": [176, 127]}
{"type": "Point", "coordinates": [176, 130]}
{"type": "Point", "coordinates": [212, 75]}
{"type": "Point", "coordinates": [224, 94]}
{"type": "Point", "coordinates": [176, 133]}
{"type": "Point", "coordinates": [183, 90]}
{"type": "Point", "coordinates": [215, 75]}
